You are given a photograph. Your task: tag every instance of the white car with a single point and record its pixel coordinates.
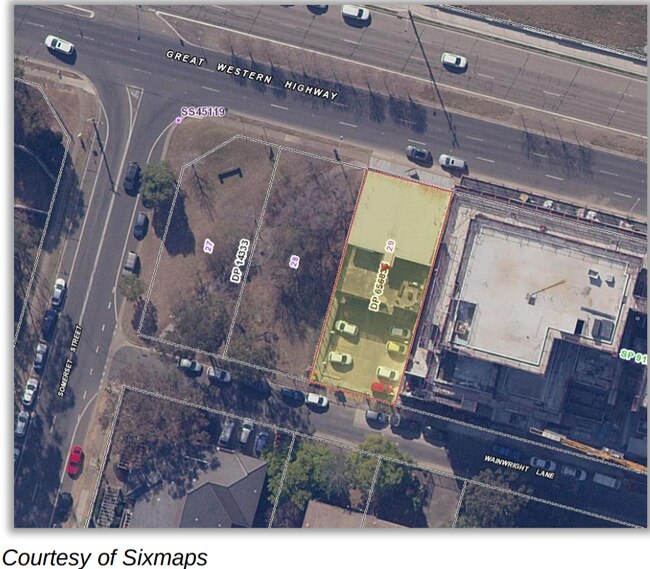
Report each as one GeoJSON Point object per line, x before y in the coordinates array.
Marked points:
{"type": "Point", "coordinates": [401, 333]}
{"type": "Point", "coordinates": [219, 375]}
{"type": "Point", "coordinates": [542, 463]}
{"type": "Point", "coordinates": [451, 162]}
{"type": "Point", "coordinates": [190, 366]}
{"type": "Point", "coordinates": [351, 12]}
{"type": "Point", "coordinates": [29, 394]}
{"type": "Point", "coordinates": [58, 44]}
{"type": "Point", "coordinates": [317, 401]}
{"type": "Point", "coordinates": [247, 428]}
{"type": "Point", "coordinates": [343, 327]}
{"type": "Point", "coordinates": [39, 357]}
{"type": "Point", "coordinates": [58, 293]}
{"type": "Point", "coordinates": [22, 421]}
{"type": "Point", "coordinates": [387, 373]}
{"type": "Point", "coordinates": [453, 61]}
{"type": "Point", "coordinates": [340, 358]}
{"type": "Point", "coordinates": [573, 472]}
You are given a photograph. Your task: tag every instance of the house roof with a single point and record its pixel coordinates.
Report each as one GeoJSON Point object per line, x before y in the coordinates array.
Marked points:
{"type": "Point", "coordinates": [320, 515]}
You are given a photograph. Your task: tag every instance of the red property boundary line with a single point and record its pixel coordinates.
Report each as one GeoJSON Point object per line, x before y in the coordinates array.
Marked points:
{"type": "Point", "coordinates": [426, 287]}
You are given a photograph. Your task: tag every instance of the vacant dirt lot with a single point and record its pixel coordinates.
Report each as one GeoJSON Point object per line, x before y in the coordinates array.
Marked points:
{"type": "Point", "coordinates": [619, 26]}
{"type": "Point", "coordinates": [282, 310]}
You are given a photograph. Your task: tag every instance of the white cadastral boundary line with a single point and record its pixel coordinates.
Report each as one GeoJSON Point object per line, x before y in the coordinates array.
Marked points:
{"type": "Point", "coordinates": [107, 450]}
{"type": "Point", "coordinates": [344, 447]}
{"type": "Point", "coordinates": [68, 140]}
{"type": "Point", "coordinates": [370, 493]}
{"type": "Point", "coordinates": [460, 503]}
{"type": "Point", "coordinates": [256, 237]}
{"type": "Point", "coordinates": [287, 460]}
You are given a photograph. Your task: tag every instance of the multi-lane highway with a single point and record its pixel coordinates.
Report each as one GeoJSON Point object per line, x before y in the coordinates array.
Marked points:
{"type": "Point", "coordinates": [122, 51]}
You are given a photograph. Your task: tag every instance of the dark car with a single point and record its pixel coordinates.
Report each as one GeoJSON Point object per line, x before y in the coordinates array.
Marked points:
{"type": "Point", "coordinates": [292, 396]}
{"type": "Point", "coordinates": [132, 178]}
{"type": "Point", "coordinates": [49, 323]}
{"type": "Point", "coordinates": [419, 155]}
{"type": "Point", "coordinates": [506, 452]}
{"type": "Point", "coordinates": [63, 507]}
{"type": "Point", "coordinates": [260, 442]}
{"type": "Point", "coordinates": [404, 423]}
{"type": "Point", "coordinates": [141, 225]}
{"type": "Point", "coordinates": [434, 436]}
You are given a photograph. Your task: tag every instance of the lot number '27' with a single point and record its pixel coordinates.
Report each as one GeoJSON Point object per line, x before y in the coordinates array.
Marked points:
{"type": "Point", "coordinates": [240, 260]}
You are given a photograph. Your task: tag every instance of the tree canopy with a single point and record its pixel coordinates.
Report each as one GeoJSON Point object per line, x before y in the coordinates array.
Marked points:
{"type": "Point", "coordinates": [158, 185]}
{"type": "Point", "coordinates": [131, 287]}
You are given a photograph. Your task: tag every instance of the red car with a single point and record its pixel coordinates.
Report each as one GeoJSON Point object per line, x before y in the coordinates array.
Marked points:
{"type": "Point", "coordinates": [382, 389]}
{"type": "Point", "coordinates": [74, 462]}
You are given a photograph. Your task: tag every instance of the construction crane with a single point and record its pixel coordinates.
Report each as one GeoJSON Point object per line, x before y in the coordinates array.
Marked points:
{"type": "Point", "coordinates": [531, 296]}
{"type": "Point", "coordinates": [604, 453]}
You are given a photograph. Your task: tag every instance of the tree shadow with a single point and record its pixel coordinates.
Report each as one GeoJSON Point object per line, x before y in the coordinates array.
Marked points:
{"type": "Point", "coordinates": [180, 238]}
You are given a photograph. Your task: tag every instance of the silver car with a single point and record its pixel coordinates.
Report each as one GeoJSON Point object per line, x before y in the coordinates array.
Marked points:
{"type": "Point", "coordinates": [22, 422]}
{"type": "Point", "coordinates": [451, 162]}
{"type": "Point", "coordinates": [29, 394]}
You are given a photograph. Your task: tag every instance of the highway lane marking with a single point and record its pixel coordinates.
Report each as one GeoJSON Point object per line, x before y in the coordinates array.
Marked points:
{"type": "Point", "coordinates": [540, 155]}
{"type": "Point", "coordinates": [485, 159]}
{"type": "Point", "coordinates": [109, 304]}
{"type": "Point", "coordinates": [609, 173]}
{"type": "Point", "coordinates": [348, 124]}
{"type": "Point", "coordinates": [52, 425]}
{"type": "Point", "coordinates": [407, 121]}
{"type": "Point", "coordinates": [85, 393]}
{"type": "Point", "coordinates": [210, 89]}
{"type": "Point", "coordinates": [142, 71]}
{"type": "Point", "coordinates": [616, 110]}
{"type": "Point", "coordinates": [475, 138]}
{"type": "Point", "coordinates": [161, 14]}
{"type": "Point", "coordinates": [35, 24]}
{"type": "Point", "coordinates": [552, 94]}
{"type": "Point", "coordinates": [351, 41]}
{"type": "Point", "coordinates": [91, 371]}
{"type": "Point", "coordinates": [35, 490]}
{"type": "Point", "coordinates": [417, 142]}
{"type": "Point", "coordinates": [486, 76]}
{"type": "Point", "coordinates": [554, 178]}
{"type": "Point", "coordinates": [279, 107]}
{"type": "Point", "coordinates": [97, 349]}
{"type": "Point", "coordinates": [103, 327]}
{"type": "Point", "coordinates": [622, 195]}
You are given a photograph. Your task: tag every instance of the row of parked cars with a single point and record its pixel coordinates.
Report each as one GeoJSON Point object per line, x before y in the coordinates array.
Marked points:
{"type": "Point", "coordinates": [246, 433]}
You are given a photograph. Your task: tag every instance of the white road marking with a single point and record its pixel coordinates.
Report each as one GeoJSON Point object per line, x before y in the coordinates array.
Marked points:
{"type": "Point", "coordinates": [103, 327]}
{"type": "Point", "coordinates": [52, 425]}
{"type": "Point", "coordinates": [210, 89]}
{"type": "Point", "coordinates": [351, 41]}
{"type": "Point", "coordinates": [109, 304]}
{"type": "Point", "coordinates": [417, 142]}
{"type": "Point", "coordinates": [35, 24]}
{"type": "Point", "coordinates": [616, 110]}
{"type": "Point", "coordinates": [348, 124]}
{"type": "Point", "coordinates": [142, 71]}
{"type": "Point", "coordinates": [485, 159]}
{"type": "Point", "coordinates": [97, 349]}
{"type": "Point", "coordinates": [552, 94]}
{"type": "Point", "coordinates": [622, 195]}
{"type": "Point", "coordinates": [85, 393]}
{"type": "Point", "coordinates": [280, 107]}
{"type": "Point", "coordinates": [540, 155]}
{"type": "Point", "coordinates": [554, 178]}
{"type": "Point", "coordinates": [486, 76]}
{"type": "Point", "coordinates": [91, 371]}
{"type": "Point", "coordinates": [475, 138]}
{"type": "Point", "coordinates": [609, 173]}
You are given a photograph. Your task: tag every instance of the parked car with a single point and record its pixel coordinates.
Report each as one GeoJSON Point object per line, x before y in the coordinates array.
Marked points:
{"type": "Point", "coordinates": [40, 357]}
{"type": "Point", "coordinates": [292, 395]}
{"type": "Point", "coordinates": [141, 225]}
{"type": "Point", "coordinates": [131, 265]}
{"type": "Point", "coordinates": [74, 461]}
{"type": "Point", "coordinates": [377, 417]}
{"type": "Point", "coordinates": [57, 44]}
{"type": "Point", "coordinates": [58, 293]}
{"type": "Point", "coordinates": [608, 481]}
{"type": "Point", "coordinates": [355, 13]}
{"type": "Point", "coordinates": [261, 440]}
{"type": "Point", "coordinates": [132, 178]}
{"type": "Point", "coordinates": [191, 367]}
{"type": "Point", "coordinates": [29, 394]}
{"type": "Point", "coordinates": [340, 358]}
{"type": "Point", "coordinates": [506, 452]}
{"type": "Point", "coordinates": [396, 348]}
{"type": "Point", "coordinates": [404, 423]}
{"type": "Point", "coordinates": [48, 326]}
{"type": "Point", "coordinates": [401, 333]}
{"type": "Point", "coordinates": [387, 373]}
{"type": "Point", "coordinates": [453, 61]}
{"type": "Point", "coordinates": [226, 432]}
{"type": "Point", "coordinates": [63, 507]}
{"type": "Point", "coordinates": [343, 327]}
{"type": "Point", "coordinates": [451, 162]}
{"type": "Point", "coordinates": [419, 155]}
{"type": "Point", "coordinates": [573, 472]}
{"type": "Point", "coordinates": [219, 375]}
{"type": "Point", "coordinates": [543, 463]}
{"type": "Point", "coordinates": [379, 388]}
{"type": "Point", "coordinates": [22, 422]}
{"type": "Point", "coordinates": [247, 428]}
{"type": "Point", "coordinates": [434, 436]}
{"type": "Point", "coordinates": [317, 401]}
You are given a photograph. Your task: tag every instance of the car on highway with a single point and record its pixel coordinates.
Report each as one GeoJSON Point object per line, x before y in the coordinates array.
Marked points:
{"type": "Point", "coordinates": [141, 225]}
{"type": "Point", "coordinates": [453, 61]}
{"type": "Point", "coordinates": [74, 461]}
{"type": "Point", "coordinates": [132, 178]}
{"type": "Point", "coordinates": [261, 441]}
{"type": "Point", "coordinates": [316, 401]}
{"type": "Point", "coordinates": [543, 463]}
{"type": "Point", "coordinates": [573, 472]}
{"type": "Point", "coordinates": [451, 162]}
{"type": "Point", "coordinates": [419, 155]}
{"type": "Point", "coordinates": [247, 429]}
{"type": "Point", "coordinates": [57, 44]}
{"type": "Point", "coordinates": [48, 326]}
{"type": "Point", "coordinates": [506, 452]}
{"type": "Point", "coordinates": [190, 367]}
{"type": "Point", "coordinates": [401, 333]}
{"type": "Point", "coordinates": [58, 293]}
{"type": "Point", "coordinates": [292, 396]}
{"type": "Point", "coordinates": [343, 327]}
{"type": "Point", "coordinates": [340, 358]}
{"type": "Point", "coordinates": [29, 393]}
{"type": "Point", "coordinates": [355, 13]}
{"type": "Point", "coordinates": [226, 431]}
{"type": "Point", "coordinates": [396, 348]}
{"type": "Point", "coordinates": [22, 422]}
{"type": "Point", "coordinates": [377, 417]}
{"type": "Point", "coordinates": [434, 436]}
{"type": "Point", "coordinates": [131, 265]}
{"type": "Point", "coordinates": [387, 373]}
{"type": "Point", "coordinates": [217, 375]}
{"type": "Point", "coordinates": [40, 357]}
{"type": "Point", "coordinates": [379, 388]}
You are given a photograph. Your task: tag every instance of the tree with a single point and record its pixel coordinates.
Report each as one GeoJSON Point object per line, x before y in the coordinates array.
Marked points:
{"type": "Point", "coordinates": [131, 287]}
{"type": "Point", "coordinates": [484, 507]}
{"type": "Point", "coordinates": [200, 322]}
{"type": "Point", "coordinates": [158, 185]}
